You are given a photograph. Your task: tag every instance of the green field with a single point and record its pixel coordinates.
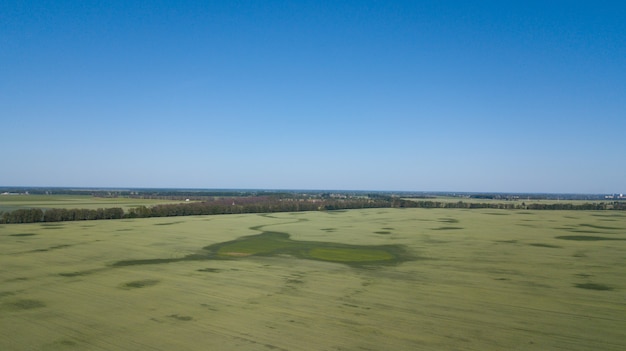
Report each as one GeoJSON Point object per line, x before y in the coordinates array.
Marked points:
{"type": "Point", "coordinates": [14, 202]}
{"type": "Point", "coordinates": [376, 279]}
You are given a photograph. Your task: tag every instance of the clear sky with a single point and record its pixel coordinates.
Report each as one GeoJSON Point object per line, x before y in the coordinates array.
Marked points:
{"type": "Point", "coordinates": [494, 96]}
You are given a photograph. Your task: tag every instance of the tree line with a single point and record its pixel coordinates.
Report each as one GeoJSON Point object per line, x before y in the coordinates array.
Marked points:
{"type": "Point", "coordinates": [33, 215]}
{"type": "Point", "coordinates": [593, 206]}
{"type": "Point", "coordinates": [268, 204]}
{"type": "Point", "coordinates": [234, 205]}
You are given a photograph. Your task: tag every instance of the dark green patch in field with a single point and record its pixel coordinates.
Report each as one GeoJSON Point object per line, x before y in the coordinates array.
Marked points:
{"type": "Point", "coordinates": [448, 220]}
{"type": "Point", "coordinates": [586, 231]}
{"type": "Point", "coordinates": [52, 224]}
{"type": "Point", "coordinates": [26, 304]}
{"type": "Point", "coordinates": [535, 284]}
{"type": "Point", "coordinates": [507, 241]}
{"type": "Point", "coordinates": [181, 318]}
{"type": "Point", "coordinates": [573, 229]}
{"type": "Point", "coordinates": [209, 270]}
{"type": "Point", "coordinates": [76, 274]}
{"type": "Point", "coordinates": [274, 347]}
{"type": "Point", "coordinates": [612, 215]}
{"type": "Point", "coordinates": [593, 286]}
{"type": "Point", "coordinates": [210, 307]}
{"type": "Point", "coordinates": [447, 228]}
{"type": "Point", "coordinates": [545, 245]}
{"type": "Point", "coordinates": [62, 246]}
{"type": "Point", "coordinates": [497, 213]}
{"type": "Point", "coordinates": [23, 234]}
{"type": "Point", "coordinates": [336, 211]}
{"type": "Point", "coordinates": [279, 244]}
{"type": "Point", "coordinates": [56, 247]}
{"type": "Point", "coordinates": [148, 261]}
{"type": "Point", "coordinates": [124, 230]}
{"type": "Point", "coordinates": [53, 227]}
{"type": "Point", "coordinates": [329, 230]}
{"type": "Point", "coordinates": [267, 215]}
{"type": "Point", "coordinates": [388, 228]}
{"type": "Point", "coordinates": [276, 243]}
{"type": "Point", "coordinates": [599, 226]}
{"type": "Point", "coordinates": [585, 238]}
{"type": "Point", "coordinates": [140, 283]}
{"type": "Point", "coordinates": [6, 293]}
{"type": "Point", "coordinates": [383, 232]}
{"type": "Point", "coordinates": [168, 223]}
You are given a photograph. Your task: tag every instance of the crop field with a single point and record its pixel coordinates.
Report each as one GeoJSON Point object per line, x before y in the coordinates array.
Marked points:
{"type": "Point", "coordinates": [14, 202]}
{"type": "Point", "coordinates": [375, 279]}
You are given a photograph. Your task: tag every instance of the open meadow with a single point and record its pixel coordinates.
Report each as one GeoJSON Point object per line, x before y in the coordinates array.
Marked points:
{"type": "Point", "coordinates": [372, 279]}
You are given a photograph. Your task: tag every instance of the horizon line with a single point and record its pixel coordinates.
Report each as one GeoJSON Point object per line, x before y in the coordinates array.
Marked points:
{"type": "Point", "coordinates": [119, 188]}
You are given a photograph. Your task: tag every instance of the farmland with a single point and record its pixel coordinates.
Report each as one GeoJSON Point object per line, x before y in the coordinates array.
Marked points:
{"type": "Point", "coordinates": [13, 202]}
{"type": "Point", "coordinates": [368, 279]}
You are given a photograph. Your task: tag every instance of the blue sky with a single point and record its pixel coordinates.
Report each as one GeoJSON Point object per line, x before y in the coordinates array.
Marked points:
{"type": "Point", "coordinates": [502, 96]}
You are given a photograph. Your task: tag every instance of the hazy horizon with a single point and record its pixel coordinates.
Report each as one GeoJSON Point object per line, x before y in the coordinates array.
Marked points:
{"type": "Point", "coordinates": [313, 190]}
{"type": "Point", "coordinates": [514, 97]}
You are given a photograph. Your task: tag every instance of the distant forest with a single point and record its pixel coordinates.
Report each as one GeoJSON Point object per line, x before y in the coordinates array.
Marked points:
{"type": "Point", "coordinates": [273, 202]}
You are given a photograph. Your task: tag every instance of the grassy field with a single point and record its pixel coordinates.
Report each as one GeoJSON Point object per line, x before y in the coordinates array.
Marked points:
{"type": "Point", "coordinates": [424, 279]}
{"type": "Point", "coordinates": [14, 202]}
